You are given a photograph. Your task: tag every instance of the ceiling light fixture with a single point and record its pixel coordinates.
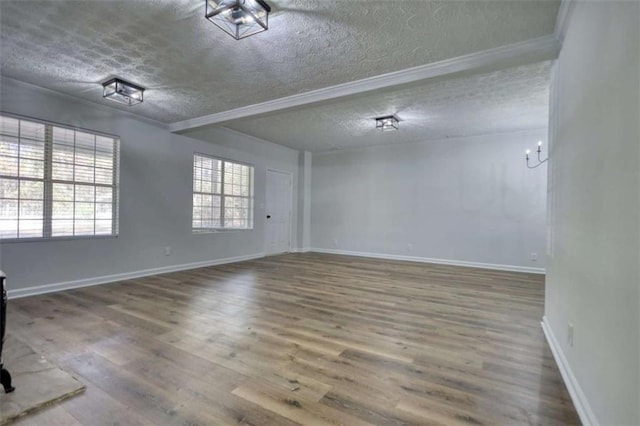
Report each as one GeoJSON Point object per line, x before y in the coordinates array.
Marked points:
{"type": "Point", "coordinates": [389, 122]}
{"type": "Point", "coordinates": [122, 91]}
{"type": "Point", "coordinates": [239, 18]}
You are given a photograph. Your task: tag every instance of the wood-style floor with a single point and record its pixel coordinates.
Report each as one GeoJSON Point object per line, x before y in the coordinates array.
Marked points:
{"type": "Point", "coordinates": [302, 339]}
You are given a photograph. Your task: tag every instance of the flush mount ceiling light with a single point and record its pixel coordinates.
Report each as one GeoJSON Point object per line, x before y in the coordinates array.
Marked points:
{"type": "Point", "coordinates": [389, 122]}
{"type": "Point", "coordinates": [239, 18]}
{"type": "Point", "coordinates": [122, 91]}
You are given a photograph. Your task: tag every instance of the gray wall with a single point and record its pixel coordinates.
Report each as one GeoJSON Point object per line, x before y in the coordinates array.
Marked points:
{"type": "Point", "coordinates": [155, 195]}
{"type": "Point", "coordinates": [468, 199]}
{"type": "Point", "coordinates": [593, 278]}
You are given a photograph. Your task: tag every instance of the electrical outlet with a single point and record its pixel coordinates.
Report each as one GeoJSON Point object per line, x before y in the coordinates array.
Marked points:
{"type": "Point", "coordinates": [335, 242]}
{"type": "Point", "coordinates": [409, 247]}
{"type": "Point", "coordinates": [534, 256]}
{"type": "Point", "coordinates": [570, 334]}
{"type": "Point", "coordinates": [167, 251]}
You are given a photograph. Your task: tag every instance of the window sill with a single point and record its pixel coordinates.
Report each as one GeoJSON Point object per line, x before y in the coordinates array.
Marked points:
{"type": "Point", "coordinates": [219, 231]}
{"type": "Point", "coordinates": [65, 238]}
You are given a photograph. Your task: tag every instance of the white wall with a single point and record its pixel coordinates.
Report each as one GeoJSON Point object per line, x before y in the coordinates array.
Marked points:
{"type": "Point", "coordinates": [593, 278]}
{"type": "Point", "coordinates": [468, 199]}
{"type": "Point", "coordinates": [155, 196]}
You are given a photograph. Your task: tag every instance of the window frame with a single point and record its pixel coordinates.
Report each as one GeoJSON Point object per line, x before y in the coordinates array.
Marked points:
{"type": "Point", "coordinates": [48, 182]}
{"type": "Point", "coordinates": [222, 195]}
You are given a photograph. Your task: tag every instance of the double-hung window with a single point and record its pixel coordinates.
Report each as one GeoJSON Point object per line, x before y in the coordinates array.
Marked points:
{"type": "Point", "coordinates": [56, 181]}
{"type": "Point", "coordinates": [222, 194]}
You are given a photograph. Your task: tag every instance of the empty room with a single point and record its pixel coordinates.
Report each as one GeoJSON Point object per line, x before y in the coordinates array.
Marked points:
{"type": "Point", "coordinates": [320, 212]}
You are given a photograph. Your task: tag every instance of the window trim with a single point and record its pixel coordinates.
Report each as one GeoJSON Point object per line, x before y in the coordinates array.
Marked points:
{"type": "Point", "coordinates": [48, 179]}
{"type": "Point", "coordinates": [251, 197]}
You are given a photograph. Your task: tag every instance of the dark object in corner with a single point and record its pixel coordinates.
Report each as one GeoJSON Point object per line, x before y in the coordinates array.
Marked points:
{"type": "Point", "coordinates": [5, 377]}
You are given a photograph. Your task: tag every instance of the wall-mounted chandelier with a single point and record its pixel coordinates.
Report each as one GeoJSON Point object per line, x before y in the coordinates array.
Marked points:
{"type": "Point", "coordinates": [540, 161]}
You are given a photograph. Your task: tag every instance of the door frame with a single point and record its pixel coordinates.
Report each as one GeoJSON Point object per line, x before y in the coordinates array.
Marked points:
{"type": "Point", "coordinates": [290, 175]}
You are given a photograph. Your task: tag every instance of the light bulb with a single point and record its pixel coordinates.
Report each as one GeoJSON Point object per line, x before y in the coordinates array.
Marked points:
{"type": "Point", "coordinates": [539, 143]}
{"type": "Point", "coordinates": [528, 152]}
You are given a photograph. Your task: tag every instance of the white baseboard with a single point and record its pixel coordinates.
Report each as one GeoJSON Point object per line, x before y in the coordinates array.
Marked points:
{"type": "Point", "coordinates": [87, 282]}
{"type": "Point", "coordinates": [511, 268]}
{"type": "Point", "coordinates": [580, 401]}
{"type": "Point", "coordinates": [301, 250]}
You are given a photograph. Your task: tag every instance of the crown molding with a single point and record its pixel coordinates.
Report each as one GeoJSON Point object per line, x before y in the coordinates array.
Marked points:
{"type": "Point", "coordinates": [563, 18]}
{"type": "Point", "coordinates": [538, 49]}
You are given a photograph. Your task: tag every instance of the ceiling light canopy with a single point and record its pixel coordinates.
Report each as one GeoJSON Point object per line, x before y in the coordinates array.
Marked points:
{"type": "Point", "coordinates": [388, 122]}
{"type": "Point", "coordinates": [122, 91]}
{"type": "Point", "coordinates": [239, 18]}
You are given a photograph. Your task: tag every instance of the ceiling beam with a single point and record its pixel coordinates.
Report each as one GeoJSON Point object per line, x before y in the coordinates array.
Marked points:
{"type": "Point", "coordinates": [534, 50]}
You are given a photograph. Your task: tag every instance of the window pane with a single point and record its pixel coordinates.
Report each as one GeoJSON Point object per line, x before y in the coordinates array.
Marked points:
{"type": "Point", "coordinates": [32, 149]}
{"type": "Point", "coordinates": [31, 210]}
{"type": "Point", "coordinates": [62, 171]}
{"type": "Point", "coordinates": [62, 153]}
{"type": "Point", "coordinates": [83, 174]}
{"type": "Point", "coordinates": [9, 209]}
{"type": "Point", "coordinates": [31, 130]}
{"type": "Point", "coordinates": [104, 176]}
{"type": "Point", "coordinates": [8, 228]}
{"type": "Point", "coordinates": [30, 228]}
{"type": "Point", "coordinates": [62, 210]}
{"type": "Point", "coordinates": [104, 195]}
{"type": "Point", "coordinates": [103, 211]}
{"type": "Point", "coordinates": [85, 193]}
{"type": "Point", "coordinates": [61, 228]}
{"type": "Point", "coordinates": [9, 126]}
{"type": "Point", "coordinates": [9, 146]}
{"type": "Point", "coordinates": [31, 168]}
{"type": "Point", "coordinates": [63, 192]}
{"type": "Point", "coordinates": [83, 211]}
{"type": "Point", "coordinates": [31, 190]}
{"type": "Point", "coordinates": [103, 227]}
{"type": "Point", "coordinates": [84, 141]}
{"type": "Point", "coordinates": [84, 157]}
{"type": "Point", "coordinates": [84, 227]}
{"type": "Point", "coordinates": [8, 166]}
{"type": "Point", "coordinates": [9, 188]}
{"type": "Point", "coordinates": [104, 145]}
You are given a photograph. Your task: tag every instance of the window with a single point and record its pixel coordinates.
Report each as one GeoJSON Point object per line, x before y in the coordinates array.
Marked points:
{"type": "Point", "coordinates": [222, 194]}
{"type": "Point", "coordinates": [56, 181]}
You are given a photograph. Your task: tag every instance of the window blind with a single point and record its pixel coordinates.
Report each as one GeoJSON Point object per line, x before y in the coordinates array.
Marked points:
{"type": "Point", "coordinates": [222, 194]}
{"type": "Point", "coordinates": [56, 181]}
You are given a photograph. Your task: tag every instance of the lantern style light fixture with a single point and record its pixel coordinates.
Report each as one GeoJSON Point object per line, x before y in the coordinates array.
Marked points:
{"type": "Point", "coordinates": [239, 18]}
{"type": "Point", "coordinates": [389, 122]}
{"type": "Point", "coordinates": [122, 91]}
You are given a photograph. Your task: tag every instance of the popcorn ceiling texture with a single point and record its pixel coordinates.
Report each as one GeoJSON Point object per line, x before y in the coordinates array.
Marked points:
{"type": "Point", "coordinates": [191, 68]}
{"type": "Point", "coordinates": [498, 102]}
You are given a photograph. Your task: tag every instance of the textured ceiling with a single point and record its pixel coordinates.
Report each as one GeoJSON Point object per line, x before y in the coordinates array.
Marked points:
{"type": "Point", "coordinates": [191, 68]}
{"type": "Point", "coordinates": [497, 102]}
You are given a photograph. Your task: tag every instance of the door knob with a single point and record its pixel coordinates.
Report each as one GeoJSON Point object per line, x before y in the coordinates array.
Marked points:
{"type": "Point", "coordinates": [268, 216]}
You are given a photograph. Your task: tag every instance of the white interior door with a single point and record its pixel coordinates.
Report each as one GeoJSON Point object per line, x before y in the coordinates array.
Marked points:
{"type": "Point", "coordinates": [278, 212]}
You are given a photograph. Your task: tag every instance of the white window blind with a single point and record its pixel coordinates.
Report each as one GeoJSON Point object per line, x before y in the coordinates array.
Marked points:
{"type": "Point", "coordinates": [56, 181]}
{"type": "Point", "coordinates": [222, 194]}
